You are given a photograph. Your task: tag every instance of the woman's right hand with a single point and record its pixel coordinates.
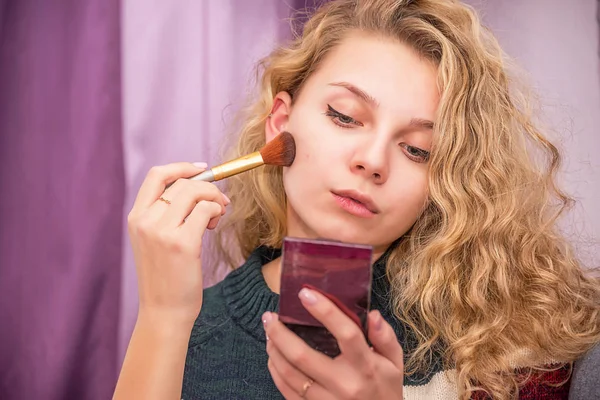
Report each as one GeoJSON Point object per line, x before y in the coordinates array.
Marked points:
{"type": "Point", "coordinates": [166, 238]}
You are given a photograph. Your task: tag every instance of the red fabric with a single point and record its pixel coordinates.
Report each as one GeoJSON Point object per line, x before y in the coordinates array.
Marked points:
{"type": "Point", "coordinates": [542, 386]}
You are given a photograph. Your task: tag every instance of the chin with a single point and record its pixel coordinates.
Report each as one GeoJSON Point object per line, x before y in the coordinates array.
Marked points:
{"type": "Point", "coordinates": [346, 234]}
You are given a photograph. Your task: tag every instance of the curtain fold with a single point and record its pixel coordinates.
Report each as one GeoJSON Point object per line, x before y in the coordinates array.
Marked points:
{"type": "Point", "coordinates": [61, 170]}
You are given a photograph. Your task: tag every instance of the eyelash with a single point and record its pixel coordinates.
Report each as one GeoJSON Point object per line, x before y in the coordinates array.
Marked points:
{"type": "Point", "coordinates": [336, 116]}
{"type": "Point", "coordinates": [421, 157]}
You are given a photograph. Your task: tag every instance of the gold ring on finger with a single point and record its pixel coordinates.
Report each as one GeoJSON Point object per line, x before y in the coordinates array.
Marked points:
{"type": "Point", "coordinates": [306, 386]}
{"type": "Point", "coordinates": [164, 200]}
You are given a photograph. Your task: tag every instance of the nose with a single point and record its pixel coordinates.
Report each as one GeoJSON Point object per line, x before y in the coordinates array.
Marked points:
{"type": "Point", "coordinates": [371, 161]}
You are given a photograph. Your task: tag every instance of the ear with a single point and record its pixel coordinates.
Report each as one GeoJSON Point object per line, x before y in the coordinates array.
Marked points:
{"type": "Point", "coordinates": [280, 113]}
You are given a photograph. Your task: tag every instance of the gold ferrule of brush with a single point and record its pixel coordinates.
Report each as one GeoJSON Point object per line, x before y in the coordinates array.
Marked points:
{"type": "Point", "coordinates": [238, 165]}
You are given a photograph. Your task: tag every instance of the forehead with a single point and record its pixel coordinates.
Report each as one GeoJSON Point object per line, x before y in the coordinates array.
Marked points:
{"type": "Point", "coordinates": [388, 70]}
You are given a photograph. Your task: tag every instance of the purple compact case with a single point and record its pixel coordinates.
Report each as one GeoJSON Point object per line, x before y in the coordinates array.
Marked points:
{"type": "Point", "coordinates": [339, 271]}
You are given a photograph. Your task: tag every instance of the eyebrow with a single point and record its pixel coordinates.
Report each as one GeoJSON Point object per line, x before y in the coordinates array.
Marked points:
{"type": "Point", "coordinates": [372, 101]}
{"type": "Point", "coordinates": [364, 96]}
{"type": "Point", "coordinates": [421, 123]}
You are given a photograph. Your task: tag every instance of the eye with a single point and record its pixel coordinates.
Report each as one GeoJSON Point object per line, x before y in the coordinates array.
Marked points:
{"type": "Point", "coordinates": [340, 119]}
{"type": "Point", "coordinates": [415, 154]}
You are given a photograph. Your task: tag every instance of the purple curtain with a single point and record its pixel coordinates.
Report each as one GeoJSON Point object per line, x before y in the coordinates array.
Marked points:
{"type": "Point", "coordinates": [61, 210]}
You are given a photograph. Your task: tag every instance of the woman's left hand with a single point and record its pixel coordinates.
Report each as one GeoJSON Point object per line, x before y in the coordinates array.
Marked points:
{"type": "Point", "coordinates": [359, 372]}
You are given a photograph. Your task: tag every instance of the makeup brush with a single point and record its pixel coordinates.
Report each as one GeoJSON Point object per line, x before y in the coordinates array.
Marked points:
{"type": "Point", "coordinates": [279, 151]}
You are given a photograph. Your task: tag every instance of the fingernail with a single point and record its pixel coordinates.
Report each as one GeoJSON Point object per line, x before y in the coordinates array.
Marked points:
{"type": "Point", "coordinates": [227, 200]}
{"type": "Point", "coordinates": [308, 296]}
{"type": "Point", "coordinates": [200, 164]}
{"type": "Point", "coordinates": [267, 318]}
{"type": "Point", "coordinates": [378, 320]}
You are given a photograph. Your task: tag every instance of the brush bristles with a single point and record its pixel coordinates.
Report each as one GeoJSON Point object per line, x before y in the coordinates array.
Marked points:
{"type": "Point", "coordinates": [280, 151]}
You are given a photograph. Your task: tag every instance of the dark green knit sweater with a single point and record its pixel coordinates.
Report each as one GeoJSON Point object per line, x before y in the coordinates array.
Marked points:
{"type": "Point", "coordinates": [227, 356]}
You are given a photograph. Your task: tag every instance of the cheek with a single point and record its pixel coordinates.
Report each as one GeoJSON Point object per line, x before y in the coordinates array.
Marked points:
{"type": "Point", "coordinates": [298, 178]}
{"type": "Point", "coordinates": [304, 179]}
{"type": "Point", "coordinates": [315, 137]}
{"type": "Point", "coordinates": [410, 192]}
{"type": "Point", "coordinates": [420, 189]}
{"type": "Point", "coordinates": [311, 153]}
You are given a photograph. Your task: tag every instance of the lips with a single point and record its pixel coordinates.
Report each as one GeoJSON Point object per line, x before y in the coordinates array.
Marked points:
{"type": "Point", "coordinates": [360, 199]}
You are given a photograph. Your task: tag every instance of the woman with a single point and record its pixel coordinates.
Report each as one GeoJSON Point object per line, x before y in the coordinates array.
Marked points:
{"type": "Point", "coordinates": [410, 139]}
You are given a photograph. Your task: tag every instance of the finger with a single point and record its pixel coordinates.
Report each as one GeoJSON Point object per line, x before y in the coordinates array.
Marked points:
{"type": "Point", "coordinates": [350, 337]}
{"type": "Point", "coordinates": [184, 195]}
{"type": "Point", "coordinates": [309, 361]}
{"type": "Point", "coordinates": [212, 224]}
{"type": "Point", "coordinates": [384, 340]}
{"type": "Point", "coordinates": [198, 220]}
{"type": "Point", "coordinates": [287, 392]}
{"type": "Point", "coordinates": [294, 389]}
{"type": "Point", "coordinates": [291, 375]}
{"type": "Point", "coordinates": [159, 177]}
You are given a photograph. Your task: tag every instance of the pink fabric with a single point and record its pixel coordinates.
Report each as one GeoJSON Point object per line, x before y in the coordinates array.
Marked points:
{"type": "Point", "coordinates": [186, 67]}
{"type": "Point", "coordinates": [61, 168]}
{"type": "Point", "coordinates": [556, 42]}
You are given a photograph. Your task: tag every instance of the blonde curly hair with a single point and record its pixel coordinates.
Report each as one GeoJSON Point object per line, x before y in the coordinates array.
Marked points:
{"type": "Point", "coordinates": [484, 270]}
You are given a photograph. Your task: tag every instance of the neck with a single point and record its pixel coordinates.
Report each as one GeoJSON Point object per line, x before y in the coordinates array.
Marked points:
{"type": "Point", "coordinates": [272, 274]}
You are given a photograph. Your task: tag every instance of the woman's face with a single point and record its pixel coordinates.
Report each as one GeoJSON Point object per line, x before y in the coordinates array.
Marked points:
{"type": "Point", "coordinates": [363, 129]}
